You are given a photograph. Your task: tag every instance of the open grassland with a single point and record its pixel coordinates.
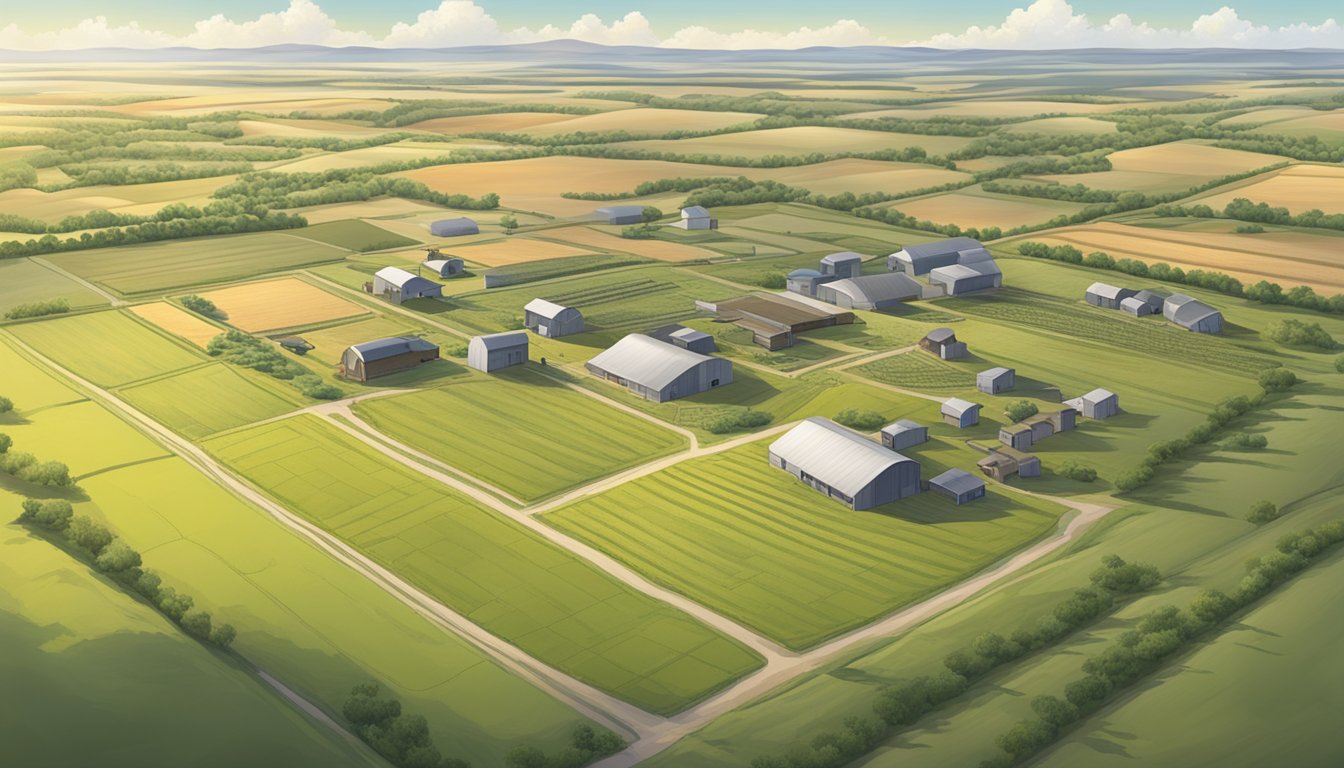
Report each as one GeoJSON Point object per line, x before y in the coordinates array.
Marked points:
{"type": "Point", "coordinates": [78, 645]}
{"type": "Point", "coordinates": [990, 108]}
{"type": "Point", "coordinates": [206, 400]}
{"type": "Point", "coordinates": [860, 176]}
{"type": "Point", "coordinates": [803, 140]}
{"type": "Point", "coordinates": [285, 303]}
{"type": "Point", "coordinates": [108, 348]}
{"type": "Point", "coordinates": [354, 235]}
{"type": "Point", "coordinates": [645, 121]}
{"type": "Point", "coordinates": [384, 209]}
{"type": "Point", "coordinates": [1168, 167]}
{"type": "Point", "coordinates": [183, 263]}
{"type": "Point", "coordinates": [515, 250]}
{"type": "Point", "coordinates": [1298, 188]}
{"type": "Point", "coordinates": [284, 128]}
{"type": "Point", "coordinates": [503, 122]}
{"type": "Point", "coordinates": [143, 199]}
{"type": "Point", "coordinates": [973, 207]}
{"type": "Point", "coordinates": [1285, 257]}
{"type": "Point", "coordinates": [920, 370]}
{"type": "Point", "coordinates": [510, 429]}
{"type": "Point", "coordinates": [1072, 126]}
{"type": "Point", "coordinates": [510, 581]}
{"type": "Point", "coordinates": [24, 281]}
{"type": "Point", "coordinates": [178, 322]}
{"type": "Point", "coordinates": [597, 240]}
{"type": "Point", "coordinates": [751, 541]}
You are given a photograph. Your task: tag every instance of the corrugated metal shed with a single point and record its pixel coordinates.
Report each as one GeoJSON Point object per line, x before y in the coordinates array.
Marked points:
{"type": "Point", "coordinates": [454, 227]}
{"type": "Point", "coordinates": [379, 349]}
{"type": "Point", "coordinates": [957, 482]}
{"type": "Point", "coordinates": [845, 461]}
{"type": "Point", "coordinates": [647, 361]}
{"type": "Point", "coordinates": [871, 292]}
{"type": "Point", "coordinates": [920, 258]}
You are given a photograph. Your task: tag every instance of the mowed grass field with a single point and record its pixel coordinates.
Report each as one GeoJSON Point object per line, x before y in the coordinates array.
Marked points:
{"type": "Point", "coordinates": [662, 250]}
{"type": "Point", "coordinates": [1298, 188]}
{"type": "Point", "coordinates": [515, 250]}
{"type": "Point", "coordinates": [508, 580]}
{"type": "Point", "coordinates": [206, 400]}
{"type": "Point", "coordinates": [178, 322]}
{"type": "Point", "coordinates": [521, 431]}
{"type": "Point", "coordinates": [354, 235]}
{"type": "Point", "coordinates": [751, 541]}
{"type": "Point", "coordinates": [23, 281]}
{"type": "Point", "coordinates": [284, 303]}
{"type": "Point", "coordinates": [108, 348]}
{"type": "Point", "coordinates": [181, 263]}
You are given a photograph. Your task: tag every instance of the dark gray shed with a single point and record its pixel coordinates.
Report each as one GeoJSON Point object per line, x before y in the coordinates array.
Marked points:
{"type": "Point", "coordinates": [454, 227]}
{"type": "Point", "coordinates": [871, 292]}
{"type": "Point", "coordinates": [904, 434]}
{"type": "Point", "coordinates": [659, 371]}
{"type": "Point", "coordinates": [621, 214]}
{"type": "Point", "coordinates": [843, 264]}
{"type": "Point", "coordinates": [920, 258]}
{"type": "Point", "coordinates": [843, 465]}
{"type": "Point", "coordinates": [959, 485]}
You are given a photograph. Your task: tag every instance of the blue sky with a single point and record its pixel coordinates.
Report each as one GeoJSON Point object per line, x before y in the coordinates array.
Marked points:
{"type": "Point", "coordinates": [682, 23]}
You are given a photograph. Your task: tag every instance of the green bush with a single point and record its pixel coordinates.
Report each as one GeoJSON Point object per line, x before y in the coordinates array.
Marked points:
{"type": "Point", "coordinates": [203, 306]}
{"type": "Point", "coordinates": [1263, 512]}
{"type": "Point", "coordinates": [38, 309]}
{"type": "Point", "coordinates": [1277, 379]}
{"type": "Point", "coordinates": [1339, 364]}
{"type": "Point", "coordinates": [456, 350]}
{"type": "Point", "coordinates": [738, 421]}
{"type": "Point", "coordinates": [1075, 471]}
{"type": "Point", "coordinates": [1295, 333]}
{"type": "Point", "coordinates": [864, 421]}
{"type": "Point", "coordinates": [1251, 440]}
{"type": "Point", "coordinates": [6, 405]}
{"type": "Point", "coordinates": [1249, 229]}
{"type": "Point", "coordinates": [1021, 409]}
{"type": "Point", "coordinates": [773, 280]}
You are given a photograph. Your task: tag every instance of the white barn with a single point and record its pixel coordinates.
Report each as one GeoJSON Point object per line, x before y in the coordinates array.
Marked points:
{"type": "Point", "coordinates": [397, 285]}
{"type": "Point", "coordinates": [546, 318]}
{"type": "Point", "coordinates": [497, 350]}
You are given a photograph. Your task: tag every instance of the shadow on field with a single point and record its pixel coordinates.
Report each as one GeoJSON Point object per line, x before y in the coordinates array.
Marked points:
{"type": "Point", "coordinates": [73, 494]}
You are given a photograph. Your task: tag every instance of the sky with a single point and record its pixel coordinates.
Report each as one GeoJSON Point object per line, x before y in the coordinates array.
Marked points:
{"type": "Point", "coordinates": [71, 24]}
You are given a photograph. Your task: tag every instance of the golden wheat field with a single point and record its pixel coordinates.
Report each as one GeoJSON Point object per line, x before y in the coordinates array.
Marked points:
{"type": "Point", "coordinates": [178, 322]}
{"type": "Point", "coordinates": [646, 121]}
{"type": "Point", "coordinates": [1168, 167]}
{"type": "Point", "coordinates": [514, 250]}
{"type": "Point", "coordinates": [973, 208]}
{"type": "Point", "coordinates": [502, 122]}
{"type": "Point", "coordinates": [1298, 188]}
{"type": "Point", "coordinates": [802, 140]}
{"type": "Point", "coordinates": [275, 304]}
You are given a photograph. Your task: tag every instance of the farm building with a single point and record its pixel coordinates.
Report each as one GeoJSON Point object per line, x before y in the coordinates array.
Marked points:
{"type": "Point", "coordinates": [454, 227]}
{"type": "Point", "coordinates": [1192, 314]}
{"type": "Point", "coordinates": [551, 320]}
{"type": "Point", "coordinates": [397, 285]}
{"type": "Point", "coordinates": [995, 380]}
{"type": "Point", "coordinates": [1019, 436]}
{"type": "Point", "coordinates": [963, 278]}
{"type": "Point", "coordinates": [843, 465]}
{"type": "Point", "coordinates": [697, 217]}
{"type": "Point", "coordinates": [296, 344]}
{"type": "Point", "coordinates": [921, 258]}
{"type": "Point", "coordinates": [659, 371]}
{"type": "Point", "coordinates": [775, 320]}
{"type": "Point", "coordinates": [805, 282]}
{"type": "Point", "coordinates": [871, 292]}
{"type": "Point", "coordinates": [904, 434]}
{"type": "Point", "coordinates": [497, 350]}
{"type": "Point", "coordinates": [1097, 404]}
{"type": "Point", "coordinates": [959, 485]}
{"type": "Point", "coordinates": [1143, 303]}
{"type": "Point", "coordinates": [693, 340]}
{"type": "Point", "coordinates": [843, 264]}
{"type": "Point", "coordinates": [1064, 419]}
{"type": "Point", "coordinates": [960, 413]}
{"type": "Point", "coordinates": [449, 267]}
{"type": "Point", "coordinates": [943, 343]}
{"type": "Point", "coordinates": [371, 359]}
{"type": "Point", "coordinates": [1042, 426]}
{"type": "Point", "coordinates": [1106, 296]}
{"type": "Point", "coordinates": [621, 214]}
{"type": "Point", "coordinates": [1004, 462]}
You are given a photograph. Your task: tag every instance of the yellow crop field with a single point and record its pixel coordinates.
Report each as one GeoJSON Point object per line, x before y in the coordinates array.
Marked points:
{"type": "Point", "coordinates": [515, 250]}
{"type": "Point", "coordinates": [1024, 108]}
{"type": "Point", "coordinates": [285, 303]}
{"type": "Point", "coordinates": [226, 100]}
{"type": "Point", "coordinates": [370, 209]}
{"type": "Point", "coordinates": [647, 121]}
{"type": "Point", "coordinates": [1062, 125]}
{"type": "Point", "coordinates": [304, 128]}
{"type": "Point", "coordinates": [369, 156]}
{"type": "Point", "coordinates": [1327, 126]}
{"type": "Point", "coordinates": [1288, 258]}
{"type": "Point", "coordinates": [1299, 188]}
{"type": "Point", "coordinates": [503, 122]}
{"type": "Point", "coordinates": [973, 208]}
{"type": "Point", "coordinates": [1269, 115]}
{"type": "Point", "coordinates": [1169, 167]}
{"type": "Point", "coordinates": [801, 140]}
{"type": "Point", "coordinates": [653, 249]}
{"type": "Point", "coordinates": [859, 176]}
{"type": "Point", "coordinates": [130, 198]}
{"type": "Point", "coordinates": [178, 322]}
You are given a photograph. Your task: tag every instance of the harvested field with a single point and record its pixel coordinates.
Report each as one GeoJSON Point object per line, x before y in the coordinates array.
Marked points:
{"type": "Point", "coordinates": [1062, 125]}
{"type": "Point", "coordinates": [131, 198]}
{"type": "Point", "coordinates": [383, 207]}
{"type": "Point", "coordinates": [646, 121]}
{"type": "Point", "coordinates": [283, 128]}
{"type": "Point", "coordinates": [503, 122]}
{"type": "Point", "coordinates": [285, 303]}
{"type": "Point", "coordinates": [800, 141]}
{"type": "Point", "coordinates": [1025, 108]}
{"type": "Point", "coordinates": [661, 250]}
{"type": "Point", "coordinates": [860, 176]}
{"type": "Point", "coordinates": [974, 208]}
{"type": "Point", "coordinates": [1168, 167]}
{"type": "Point", "coordinates": [178, 322]}
{"type": "Point", "coordinates": [1299, 188]}
{"type": "Point", "coordinates": [515, 250]}
{"type": "Point", "coordinates": [1288, 258]}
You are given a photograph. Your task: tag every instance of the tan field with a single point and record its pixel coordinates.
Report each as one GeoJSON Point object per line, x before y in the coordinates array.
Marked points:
{"type": "Point", "coordinates": [801, 141]}
{"type": "Point", "coordinates": [387, 153]}
{"type": "Point", "coordinates": [860, 176]}
{"type": "Point", "coordinates": [653, 249]}
{"type": "Point", "coordinates": [1287, 258]}
{"type": "Point", "coordinates": [1168, 167]}
{"type": "Point", "coordinates": [972, 208]}
{"type": "Point", "coordinates": [1063, 125]}
{"type": "Point", "coordinates": [647, 121]}
{"type": "Point", "coordinates": [134, 198]}
{"type": "Point", "coordinates": [1299, 188]}
{"type": "Point", "coordinates": [274, 304]}
{"type": "Point", "coordinates": [178, 321]}
{"type": "Point", "coordinates": [1327, 126]}
{"type": "Point", "coordinates": [992, 109]}
{"type": "Point", "coordinates": [1269, 115]}
{"type": "Point", "coordinates": [368, 209]}
{"type": "Point", "coordinates": [503, 122]}
{"type": "Point", "coordinates": [191, 105]}
{"type": "Point", "coordinates": [515, 250]}
{"type": "Point", "coordinates": [283, 128]}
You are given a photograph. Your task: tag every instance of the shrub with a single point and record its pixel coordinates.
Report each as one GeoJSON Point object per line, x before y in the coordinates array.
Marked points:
{"type": "Point", "coordinates": [1075, 471]}
{"type": "Point", "coordinates": [223, 635]}
{"type": "Point", "coordinates": [1262, 512]}
{"type": "Point", "coordinates": [1339, 364]}
{"type": "Point", "coordinates": [738, 421]}
{"type": "Point", "coordinates": [117, 557]}
{"type": "Point", "coordinates": [1021, 409]}
{"type": "Point", "coordinates": [38, 309]}
{"type": "Point", "coordinates": [1251, 440]}
{"type": "Point", "coordinates": [773, 280]}
{"type": "Point", "coordinates": [203, 306]}
{"type": "Point", "coordinates": [53, 514]}
{"type": "Point", "coordinates": [1249, 229]}
{"type": "Point", "coordinates": [1295, 333]}
{"type": "Point", "coordinates": [197, 624]}
{"type": "Point", "coordinates": [456, 350]}
{"type": "Point", "coordinates": [865, 421]}
{"type": "Point", "coordinates": [88, 535]}
{"type": "Point", "coordinates": [6, 405]}
{"type": "Point", "coordinates": [1277, 379]}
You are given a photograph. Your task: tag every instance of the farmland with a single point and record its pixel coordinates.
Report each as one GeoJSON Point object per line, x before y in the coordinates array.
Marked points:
{"type": "Point", "coordinates": [126, 349]}
{"type": "Point", "coordinates": [206, 400]}
{"type": "Point", "coordinates": [178, 322]}
{"type": "Point", "coordinates": [976, 208]}
{"type": "Point", "coordinates": [645, 121]}
{"type": "Point", "coordinates": [354, 235]}
{"type": "Point", "coordinates": [275, 304]}
{"type": "Point", "coordinates": [1299, 189]}
{"type": "Point", "coordinates": [501, 576]}
{"type": "Point", "coordinates": [1168, 168]}
{"type": "Point", "coordinates": [798, 141]}
{"type": "Point", "coordinates": [506, 430]}
{"type": "Point", "coordinates": [23, 281]}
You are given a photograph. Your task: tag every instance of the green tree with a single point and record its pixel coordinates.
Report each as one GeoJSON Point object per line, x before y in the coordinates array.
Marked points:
{"type": "Point", "coordinates": [1021, 409]}
{"type": "Point", "coordinates": [6, 405]}
{"type": "Point", "coordinates": [509, 222]}
{"type": "Point", "coordinates": [223, 635]}
{"type": "Point", "coordinates": [1262, 512]}
{"type": "Point", "coordinates": [650, 214]}
{"type": "Point", "coordinates": [117, 557]}
{"type": "Point", "coordinates": [197, 624]}
{"type": "Point", "coordinates": [88, 535]}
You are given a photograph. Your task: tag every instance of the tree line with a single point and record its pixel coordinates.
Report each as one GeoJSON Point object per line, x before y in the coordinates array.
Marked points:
{"type": "Point", "coordinates": [1242, 209]}
{"type": "Point", "coordinates": [248, 351]}
{"type": "Point", "coordinates": [37, 309]}
{"type": "Point", "coordinates": [26, 467]}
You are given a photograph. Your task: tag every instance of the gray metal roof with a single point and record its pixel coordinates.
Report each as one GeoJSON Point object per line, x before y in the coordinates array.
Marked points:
{"type": "Point", "coordinates": [1133, 303]}
{"type": "Point", "coordinates": [403, 279]}
{"type": "Point", "coordinates": [901, 425]}
{"type": "Point", "coordinates": [647, 361]}
{"type": "Point", "coordinates": [695, 212]}
{"type": "Point", "coordinates": [964, 271]}
{"type": "Point", "coordinates": [621, 210]}
{"type": "Point", "coordinates": [1148, 297]}
{"type": "Point", "coordinates": [955, 406]}
{"type": "Point", "coordinates": [1191, 311]}
{"type": "Point", "coordinates": [1097, 395]}
{"type": "Point", "coordinates": [871, 289]}
{"type": "Point", "coordinates": [941, 247]}
{"type": "Point", "coordinates": [1104, 290]}
{"type": "Point", "coordinates": [452, 227]}
{"type": "Point", "coordinates": [799, 273]}
{"type": "Point", "coordinates": [438, 265]}
{"type": "Point", "coordinates": [842, 257]}
{"type": "Point", "coordinates": [994, 373]}
{"type": "Point", "coordinates": [941, 335]}
{"type": "Point", "coordinates": [547, 309]}
{"type": "Point", "coordinates": [842, 459]}
{"type": "Point", "coordinates": [380, 349]}
{"type": "Point", "coordinates": [689, 334]}
{"type": "Point", "coordinates": [958, 481]}
{"type": "Point", "coordinates": [494, 341]}
{"type": "Point", "coordinates": [973, 256]}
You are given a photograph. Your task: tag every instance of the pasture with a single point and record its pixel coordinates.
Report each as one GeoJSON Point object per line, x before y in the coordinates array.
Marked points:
{"type": "Point", "coordinates": [178, 322]}
{"type": "Point", "coordinates": [973, 207]}
{"type": "Point", "coordinates": [331, 341]}
{"type": "Point", "coordinates": [751, 541]}
{"type": "Point", "coordinates": [275, 304]}
{"type": "Point", "coordinates": [508, 580]}
{"type": "Point", "coordinates": [354, 235]}
{"type": "Point", "coordinates": [107, 348]}
{"type": "Point", "coordinates": [598, 240]}
{"type": "Point", "coordinates": [202, 401]}
{"type": "Point", "coordinates": [520, 431]}
{"type": "Point", "coordinates": [1169, 167]}
{"type": "Point", "coordinates": [802, 140]}
{"type": "Point", "coordinates": [23, 281]}
{"type": "Point", "coordinates": [1298, 188]}
{"type": "Point", "coordinates": [1072, 126]}
{"type": "Point", "coordinates": [860, 176]}
{"type": "Point", "coordinates": [161, 266]}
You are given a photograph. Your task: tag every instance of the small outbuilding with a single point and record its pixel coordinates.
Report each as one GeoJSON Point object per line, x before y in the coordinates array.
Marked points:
{"type": "Point", "coordinates": [843, 465]}
{"type": "Point", "coordinates": [1192, 314]}
{"type": "Point", "coordinates": [959, 485]}
{"type": "Point", "coordinates": [296, 344]}
{"type": "Point", "coordinates": [1143, 303]}
{"type": "Point", "coordinates": [1041, 425]}
{"type": "Point", "coordinates": [1019, 436]}
{"type": "Point", "coordinates": [697, 217]}
{"type": "Point", "coordinates": [659, 371]}
{"type": "Point", "coordinates": [806, 281]}
{"type": "Point", "coordinates": [1097, 404]}
{"type": "Point", "coordinates": [995, 380]}
{"type": "Point", "coordinates": [446, 267]}
{"type": "Point", "coordinates": [621, 214]}
{"type": "Point", "coordinates": [870, 292]}
{"type": "Point", "coordinates": [454, 227]}
{"type": "Point", "coordinates": [380, 357]}
{"type": "Point", "coordinates": [943, 343]}
{"type": "Point", "coordinates": [1106, 296]}
{"type": "Point", "coordinates": [904, 434]}
{"type": "Point", "coordinates": [551, 320]}
{"type": "Point", "coordinates": [963, 278]}
{"type": "Point", "coordinates": [843, 264]}
{"type": "Point", "coordinates": [1064, 419]}
{"type": "Point", "coordinates": [497, 350]}
{"type": "Point", "coordinates": [397, 286]}
{"type": "Point", "coordinates": [921, 258]}
{"type": "Point", "coordinates": [693, 340]}
{"type": "Point", "coordinates": [960, 413]}
{"type": "Point", "coordinates": [1004, 462]}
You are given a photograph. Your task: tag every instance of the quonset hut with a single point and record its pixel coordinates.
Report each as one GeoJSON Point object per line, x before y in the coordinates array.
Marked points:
{"type": "Point", "coordinates": [659, 371]}
{"type": "Point", "coordinates": [546, 318]}
{"type": "Point", "coordinates": [1192, 314]}
{"type": "Point", "coordinates": [871, 292]}
{"type": "Point", "coordinates": [380, 357]}
{"type": "Point", "coordinates": [920, 258]}
{"type": "Point", "coordinates": [397, 285]}
{"type": "Point", "coordinates": [497, 350]}
{"type": "Point", "coordinates": [454, 227]}
{"type": "Point", "coordinates": [843, 465]}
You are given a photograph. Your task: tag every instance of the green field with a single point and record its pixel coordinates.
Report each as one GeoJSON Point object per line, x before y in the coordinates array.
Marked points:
{"type": "Point", "coordinates": [108, 348]}
{"type": "Point", "coordinates": [520, 431]}
{"type": "Point", "coordinates": [354, 235]}
{"type": "Point", "coordinates": [23, 281]}
{"type": "Point", "coordinates": [182, 263]}
{"type": "Point", "coordinates": [206, 400]}
{"type": "Point", "coordinates": [918, 369]}
{"type": "Point", "coordinates": [86, 653]}
{"type": "Point", "coordinates": [549, 603]}
{"type": "Point", "coordinates": [749, 540]}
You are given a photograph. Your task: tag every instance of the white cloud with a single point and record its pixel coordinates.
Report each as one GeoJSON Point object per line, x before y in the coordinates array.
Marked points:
{"type": "Point", "coordinates": [1054, 24]}
{"type": "Point", "coordinates": [89, 33]}
{"type": "Point", "coordinates": [632, 29]}
{"type": "Point", "coordinates": [302, 22]}
{"type": "Point", "coordinates": [845, 32]}
{"type": "Point", "coordinates": [454, 22]}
